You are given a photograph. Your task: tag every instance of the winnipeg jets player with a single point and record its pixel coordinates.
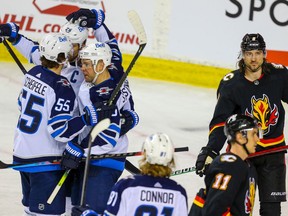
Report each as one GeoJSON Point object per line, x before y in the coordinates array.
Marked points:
{"type": "Point", "coordinates": [30, 49]}
{"type": "Point", "coordinates": [102, 68]}
{"type": "Point", "coordinates": [47, 103]}
{"type": "Point", "coordinates": [152, 192]}
{"type": "Point", "coordinates": [78, 36]}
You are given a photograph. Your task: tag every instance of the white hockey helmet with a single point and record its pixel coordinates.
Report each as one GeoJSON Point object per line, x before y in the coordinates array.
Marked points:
{"type": "Point", "coordinates": [51, 45]}
{"type": "Point", "coordinates": [75, 33]}
{"type": "Point", "coordinates": [159, 149]}
{"type": "Point", "coordinates": [97, 51]}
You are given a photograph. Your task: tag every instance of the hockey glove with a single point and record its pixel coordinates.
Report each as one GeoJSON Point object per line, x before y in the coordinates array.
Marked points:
{"type": "Point", "coordinates": [129, 119]}
{"type": "Point", "coordinates": [83, 211]}
{"type": "Point", "coordinates": [88, 18]}
{"type": "Point", "coordinates": [10, 30]}
{"type": "Point", "coordinates": [104, 111]}
{"type": "Point", "coordinates": [90, 116]}
{"type": "Point", "coordinates": [204, 159]}
{"type": "Point", "coordinates": [72, 156]}
{"type": "Point", "coordinates": [97, 112]}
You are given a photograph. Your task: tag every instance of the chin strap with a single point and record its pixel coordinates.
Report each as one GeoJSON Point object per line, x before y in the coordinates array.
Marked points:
{"type": "Point", "coordinates": [244, 146]}
{"type": "Point", "coordinates": [97, 74]}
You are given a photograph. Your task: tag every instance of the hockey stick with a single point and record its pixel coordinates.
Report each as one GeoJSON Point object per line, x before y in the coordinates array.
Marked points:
{"type": "Point", "coordinates": [93, 157]}
{"type": "Point", "coordinates": [183, 171]}
{"type": "Point", "coordinates": [140, 31]}
{"type": "Point", "coordinates": [105, 124]}
{"type": "Point", "coordinates": [256, 154]}
{"type": "Point", "coordinates": [268, 151]}
{"type": "Point", "coordinates": [135, 171]}
{"type": "Point", "coordinates": [142, 38]}
{"type": "Point", "coordinates": [58, 186]}
{"type": "Point", "coordinates": [99, 127]}
{"type": "Point", "coordinates": [20, 65]}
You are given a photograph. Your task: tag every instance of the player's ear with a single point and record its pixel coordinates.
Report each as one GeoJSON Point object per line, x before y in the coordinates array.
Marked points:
{"type": "Point", "coordinates": [240, 138]}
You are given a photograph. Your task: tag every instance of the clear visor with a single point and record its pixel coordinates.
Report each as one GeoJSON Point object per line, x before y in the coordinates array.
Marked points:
{"type": "Point", "coordinates": [259, 131]}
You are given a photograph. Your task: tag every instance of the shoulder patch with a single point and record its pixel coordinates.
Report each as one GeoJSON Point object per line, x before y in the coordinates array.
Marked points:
{"type": "Point", "coordinates": [228, 158]}
{"type": "Point", "coordinates": [277, 66]}
{"type": "Point", "coordinates": [228, 76]}
{"type": "Point", "coordinates": [64, 82]}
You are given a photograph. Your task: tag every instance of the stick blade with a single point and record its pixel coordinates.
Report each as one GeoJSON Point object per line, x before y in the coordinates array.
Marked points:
{"type": "Point", "coordinates": [138, 26]}
{"type": "Point", "coordinates": [99, 127]}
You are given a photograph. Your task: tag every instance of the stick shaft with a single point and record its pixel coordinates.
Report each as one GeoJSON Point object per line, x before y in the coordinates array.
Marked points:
{"type": "Point", "coordinates": [268, 151]}
{"type": "Point", "coordinates": [14, 57]}
{"type": "Point", "coordinates": [58, 186]}
{"type": "Point", "coordinates": [93, 157]}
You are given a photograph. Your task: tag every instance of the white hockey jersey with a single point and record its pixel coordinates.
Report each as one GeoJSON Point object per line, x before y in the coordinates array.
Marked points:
{"type": "Point", "coordinates": [30, 50]}
{"type": "Point", "coordinates": [47, 101]}
{"type": "Point", "coordinates": [147, 195]}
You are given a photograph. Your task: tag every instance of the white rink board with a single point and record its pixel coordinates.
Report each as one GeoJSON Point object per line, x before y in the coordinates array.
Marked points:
{"type": "Point", "coordinates": [181, 111]}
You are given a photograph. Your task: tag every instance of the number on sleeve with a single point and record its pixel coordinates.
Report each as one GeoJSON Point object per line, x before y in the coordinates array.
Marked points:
{"type": "Point", "coordinates": [113, 198]}
{"type": "Point", "coordinates": [221, 181]}
{"type": "Point", "coordinates": [62, 105]}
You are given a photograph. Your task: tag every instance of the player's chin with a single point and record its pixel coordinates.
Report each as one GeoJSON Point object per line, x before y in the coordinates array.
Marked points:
{"type": "Point", "coordinates": [253, 150]}
{"type": "Point", "coordinates": [87, 79]}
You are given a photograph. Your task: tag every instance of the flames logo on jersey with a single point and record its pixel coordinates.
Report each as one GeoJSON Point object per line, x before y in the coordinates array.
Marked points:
{"type": "Point", "coordinates": [250, 197]}
{"type": "Point", "coordinates": [263, 112]}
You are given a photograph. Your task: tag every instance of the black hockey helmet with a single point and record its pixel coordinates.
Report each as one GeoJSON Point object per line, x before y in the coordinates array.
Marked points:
{"type": "Point", "coordinates": [238, 123]}
{"type": "Point", "coordinates": [253, 42]}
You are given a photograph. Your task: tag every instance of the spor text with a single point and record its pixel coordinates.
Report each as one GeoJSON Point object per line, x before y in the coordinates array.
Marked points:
{"type": "Point", "coordinates": [260, 6]}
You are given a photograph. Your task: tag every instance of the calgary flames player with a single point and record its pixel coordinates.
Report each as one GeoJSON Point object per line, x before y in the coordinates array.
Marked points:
{"type": "Point", "coordinates": [256, 89]}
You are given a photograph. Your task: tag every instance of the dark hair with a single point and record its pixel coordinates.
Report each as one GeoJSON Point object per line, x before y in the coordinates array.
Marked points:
{"type": "Point", "coordinates": [265, 69]}
{"type": "Point", "coordinates": [237, 123]}
{"type": "Point", "coordinates": [52, 64]}
{"type": "Point", "coordinates": [253, 42]}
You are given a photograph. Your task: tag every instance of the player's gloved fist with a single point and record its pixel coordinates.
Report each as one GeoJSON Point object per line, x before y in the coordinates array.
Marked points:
{"type": "Point", "coordinates": [104, 111]}
{"type": "Point", "coordinates": [72, 156]}
{"type": "Point", "coordinates": [129, 119]}
{"type": "Point", "coordinates": [97, 112]}
{"type": "Point", "coordinates": [90, 116]}
{"type": "Point", "coordinates": [83, 211]}
{"type": "Point", "coordinates": [204, 159]}
{"type": "Point", "coordinates": [87, 18]}
{"type": "Point", "coordinates": [9, 30]}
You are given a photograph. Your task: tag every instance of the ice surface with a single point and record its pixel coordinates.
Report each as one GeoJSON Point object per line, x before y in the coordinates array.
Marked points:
{"type": "Point", "coordinates": [181, 111]}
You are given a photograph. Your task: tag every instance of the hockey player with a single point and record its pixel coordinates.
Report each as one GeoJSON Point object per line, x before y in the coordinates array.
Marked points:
{"type": "Point", "coordinates": [102, 68]}
{"type": "Point", "coordinates": [47, 105]}
{"type": "Point", "coordinates": [256, 89]}
{"type": "Point", "coordinates": [152, 192]}
{"type": "Point", "coordinates": [30, 49]}
{"type": "Point", "coordinates": [78, 36]}
{"type": "Point", "coordinates": [231, 179]}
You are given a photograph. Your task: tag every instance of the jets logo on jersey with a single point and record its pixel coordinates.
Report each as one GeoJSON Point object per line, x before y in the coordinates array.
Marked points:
{"type": "Point", "coordinates": [64, 82]}
{"type": "Point", "coordinates": [104, 91]}
{"type": "Point", "coordinates": [264, 113]}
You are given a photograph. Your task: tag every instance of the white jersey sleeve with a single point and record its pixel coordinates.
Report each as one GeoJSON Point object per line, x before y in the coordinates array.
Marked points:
{"type": "Point", "coordinates": [29, 49]}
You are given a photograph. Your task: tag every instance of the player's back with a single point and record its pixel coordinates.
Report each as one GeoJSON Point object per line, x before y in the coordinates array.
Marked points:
{"type": "Point", "coordinates": [45, 97]}
{"type": "Point", "coordinates": [140, 195]}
